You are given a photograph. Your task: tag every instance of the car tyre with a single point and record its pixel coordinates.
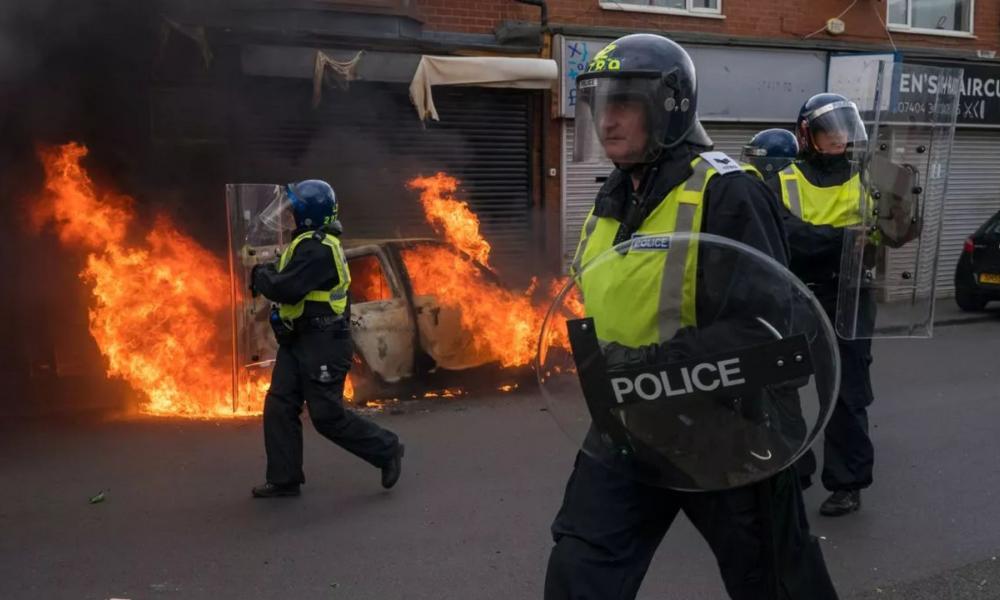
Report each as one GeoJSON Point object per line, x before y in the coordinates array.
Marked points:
{"type": "Point", "coordinates": [969, 300]}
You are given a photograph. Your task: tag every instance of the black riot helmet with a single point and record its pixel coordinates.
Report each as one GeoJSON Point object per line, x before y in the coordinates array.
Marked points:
{"type": "Point", "coordinates": [835, 116]}
{"type": "Point", "coordinates": [637, 98]}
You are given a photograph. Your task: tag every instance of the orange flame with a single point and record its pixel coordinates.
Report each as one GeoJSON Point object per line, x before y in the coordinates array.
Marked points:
{"type": "Point", "coordinates": [159, 307]}
{"type": "Point", "coordinates": [504, 325]}
{"type": "Point", "coordinates": [451, 217]}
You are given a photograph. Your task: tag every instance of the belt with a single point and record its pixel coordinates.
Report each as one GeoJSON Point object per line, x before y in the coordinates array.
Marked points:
{"type": "Point", "coordinates": [336, 324]}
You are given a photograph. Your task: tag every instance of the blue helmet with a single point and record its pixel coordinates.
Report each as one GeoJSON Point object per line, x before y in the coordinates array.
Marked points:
{"type": "Point", "coordinates": [314, 204]}
{"type": "Point", "coordinates": [771, 150]}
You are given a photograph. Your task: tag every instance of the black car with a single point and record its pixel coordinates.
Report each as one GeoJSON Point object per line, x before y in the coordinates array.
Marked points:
{"type": "Point", "coordinates": [977, 276]}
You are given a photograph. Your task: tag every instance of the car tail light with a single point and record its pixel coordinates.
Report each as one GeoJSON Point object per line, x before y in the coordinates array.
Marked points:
{"type": "Point", "coordinates": [968, 246]}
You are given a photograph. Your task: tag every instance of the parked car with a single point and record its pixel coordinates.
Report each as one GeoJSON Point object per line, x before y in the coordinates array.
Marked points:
{"type": "Point", "coordinates": [977, 275]}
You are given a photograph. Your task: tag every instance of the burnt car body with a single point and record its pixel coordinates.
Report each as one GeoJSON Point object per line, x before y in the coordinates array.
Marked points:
{"type": "Point", "coordinates": [404, 342]}
{"type": "Point", "coordinates": [977, 274]}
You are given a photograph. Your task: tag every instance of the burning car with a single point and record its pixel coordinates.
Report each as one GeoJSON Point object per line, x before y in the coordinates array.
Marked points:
{"type": "Point", "coordinates": [421, 309]}
{"type": "Point", "coordinates": [406, 339]}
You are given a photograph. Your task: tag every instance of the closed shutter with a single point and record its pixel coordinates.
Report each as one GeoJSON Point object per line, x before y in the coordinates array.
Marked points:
{"type": "Point", "coordinates": [730, 138]}
{"type": "Point", "coordinates": [973, 196]}
{"type": "Point", "coordinates": [368, 142]}
{"type": "Point", "coordinates": [581, 181]}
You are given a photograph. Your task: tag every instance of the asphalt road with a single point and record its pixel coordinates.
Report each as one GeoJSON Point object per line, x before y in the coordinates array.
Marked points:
{"type": "Point", "coordinates": [469, 520]}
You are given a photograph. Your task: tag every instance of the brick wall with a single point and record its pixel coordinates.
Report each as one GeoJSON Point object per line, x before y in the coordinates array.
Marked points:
{"type": "Point", "coordinates": [772, 19]}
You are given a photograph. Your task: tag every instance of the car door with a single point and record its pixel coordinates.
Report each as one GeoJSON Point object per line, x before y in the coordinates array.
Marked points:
{"type": "Point", "coordinates": [381, 322]}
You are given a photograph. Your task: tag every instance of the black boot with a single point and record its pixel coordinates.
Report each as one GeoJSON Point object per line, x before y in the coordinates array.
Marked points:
{"type": "Point", "coordinates": [270, 490]}
{"type": "Point", "coordinates": [392, 470]}
{"type": "Point", "coordinates": [841, 503]}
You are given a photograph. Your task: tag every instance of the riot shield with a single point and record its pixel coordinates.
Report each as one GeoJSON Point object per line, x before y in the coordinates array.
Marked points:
{"type": "Point", "coordinates": [259, 227]}
{"type": "Point", "coordinates": [688, 361]}
{"type": "Point", "coordinates": [889, 263]}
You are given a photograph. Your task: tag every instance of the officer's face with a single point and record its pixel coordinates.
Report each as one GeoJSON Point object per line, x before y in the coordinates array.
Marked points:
{"type": "Point", "coordinates": [830, 142]}
{"type": "Point", "coordinates": [623, 130]}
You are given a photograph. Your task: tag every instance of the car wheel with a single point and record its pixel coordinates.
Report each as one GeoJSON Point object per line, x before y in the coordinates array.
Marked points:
{"type": "Point", "coordinates": [968, 300]}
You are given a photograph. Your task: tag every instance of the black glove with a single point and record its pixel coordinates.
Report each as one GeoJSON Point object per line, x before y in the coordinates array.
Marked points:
{"type": "Point", "coordinates": [619, 358]}
{"type": "Point", "coordinates": [679, 348]}
{"type": "Point", "coordinates": [253, 278]}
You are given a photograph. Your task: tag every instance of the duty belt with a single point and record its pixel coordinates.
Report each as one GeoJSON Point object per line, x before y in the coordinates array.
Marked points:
{"type": "Point", "coordinates": [335, 323]}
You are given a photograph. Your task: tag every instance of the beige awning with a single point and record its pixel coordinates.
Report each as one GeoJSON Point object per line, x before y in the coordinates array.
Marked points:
{"type": "Point", "coordinates": [486, 71]}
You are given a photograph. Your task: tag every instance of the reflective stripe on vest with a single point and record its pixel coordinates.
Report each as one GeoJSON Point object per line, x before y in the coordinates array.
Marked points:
{"type": "Point", "coordinates": [645, 295]}
{"type": "Point", "coordinates": [790, 191]}
{"type": "Point", "coordinates": [336, 297]}
{"type": "Point", "coordinates": [838, 205]}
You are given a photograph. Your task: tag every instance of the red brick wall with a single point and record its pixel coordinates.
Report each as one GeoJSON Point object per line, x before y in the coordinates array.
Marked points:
{"type": "Point", "coordinates": [773, 19]}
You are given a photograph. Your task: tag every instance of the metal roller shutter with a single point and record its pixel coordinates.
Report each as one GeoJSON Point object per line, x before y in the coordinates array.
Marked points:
{"type": "Point", "coordinates": [973, 196]}
{"type": "Point", "coordinates": [580, 180]}
{"type": "Point", "coordinates": [368, 142]}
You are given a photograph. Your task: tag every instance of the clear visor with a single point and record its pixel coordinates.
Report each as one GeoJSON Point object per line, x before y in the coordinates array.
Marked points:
{"type": "Point", "coordinates": [836, 127]}
{"type": "Point", "coordinates": [613, 119]}
{"type": "Point", "coordinates": [752, 152]}
{"type": "Point", "coordinates": [277, 216]}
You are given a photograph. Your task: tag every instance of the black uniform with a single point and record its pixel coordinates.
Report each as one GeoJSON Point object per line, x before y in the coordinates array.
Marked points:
{"type": "Point", "coordinates": [610, 524]}
{"type": "Point", "coordinates": [848, 452]}
{"type": "Point", "coordinates": [311, 367]}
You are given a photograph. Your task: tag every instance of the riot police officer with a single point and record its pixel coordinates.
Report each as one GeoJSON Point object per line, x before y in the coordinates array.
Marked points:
{"type": "Point", "coordinates": [770, 151]}
{"type": "Point", "coordinates": [311, 320]}
{"type": "Point", "coordinates": [823, 194]}
{"type": "Point", "coordinates": [637, 104]}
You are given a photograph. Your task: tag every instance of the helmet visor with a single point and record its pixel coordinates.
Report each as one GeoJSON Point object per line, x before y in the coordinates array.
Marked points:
{"type": "Point", "coordinates": [836, 127]}
{"type": "Point", "coordinates": [277, 216]}
{"type": "Point", "coordinates": [620, 119]}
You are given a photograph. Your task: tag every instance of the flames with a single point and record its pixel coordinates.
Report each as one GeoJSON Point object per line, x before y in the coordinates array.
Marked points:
{"type": "Point", "coordinates": [451, 217]}
{"type": "Point", "coordinates": [159, 304]}
{"type": "Point", "coordinates": [504, 325]}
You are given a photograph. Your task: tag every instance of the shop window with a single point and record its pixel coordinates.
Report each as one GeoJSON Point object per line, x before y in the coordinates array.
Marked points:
{"type": "Point", "coordinates": [937, 17]}
{"type": "Point", "coordinates": [694, 8]}
{"type": "Point", "coordinates": [368, 282]}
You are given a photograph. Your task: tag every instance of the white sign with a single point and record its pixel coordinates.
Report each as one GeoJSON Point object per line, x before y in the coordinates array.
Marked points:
{"type": "Point", "coordinates": [855, 76]}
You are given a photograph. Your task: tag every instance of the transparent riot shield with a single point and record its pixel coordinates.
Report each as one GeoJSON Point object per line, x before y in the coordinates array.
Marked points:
{"type": "Point", "coordinates": [259, 227]}
{"type": "Point", "coordinates": [688, 361]}
{"type": "Point", "coordinates": [890, 259]}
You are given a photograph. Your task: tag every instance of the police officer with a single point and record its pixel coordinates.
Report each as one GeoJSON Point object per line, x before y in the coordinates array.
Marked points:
{"type": "Point", "coordinates": [771, 151]}
{"type": "Point", "coordinates": [312, 323]}
{"type": "Point", "coordinates": [823, 194]}
{"type": "Point", "coordinates": [639, 97]}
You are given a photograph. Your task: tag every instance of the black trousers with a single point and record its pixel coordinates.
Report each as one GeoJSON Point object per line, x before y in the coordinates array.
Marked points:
{"type": "Point", "coordinates": [312, 369]}
{"type": "Point", "coordinates": [609, 527]}
{"type": "Point", "coordinates": [848, 453]}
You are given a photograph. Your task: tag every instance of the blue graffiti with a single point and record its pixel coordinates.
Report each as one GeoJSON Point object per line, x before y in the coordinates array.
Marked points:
{"type": "Point", "coordinates": [577, 65]}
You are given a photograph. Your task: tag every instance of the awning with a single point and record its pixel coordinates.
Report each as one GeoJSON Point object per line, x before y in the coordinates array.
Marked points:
{"type": "Point", "coordinates": [485, 71]}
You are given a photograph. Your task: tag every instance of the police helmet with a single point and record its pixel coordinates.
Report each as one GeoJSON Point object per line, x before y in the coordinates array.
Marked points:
{"type": "Point", "coordinates": [771, 150]}
{"type": "Point", "coordinates": [314, 204]}
{"type": "Point", "coordinates": [651, 72]}
{"type": "Point", "coordinates": [837, 118]}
